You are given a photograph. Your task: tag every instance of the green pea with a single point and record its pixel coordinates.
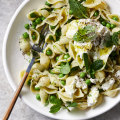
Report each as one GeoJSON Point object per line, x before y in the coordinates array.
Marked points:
{"type": "Point", "coordinates": [29, 82]}
{"type": "Point", "coordinates": [115, 18]}
{"type": "Point", "coordinates": [48, 4]}
{"type": "Point", "coordinates": [42, 18]}
{"type": "Point", "coordinates": [49, 52]}
{"type": "Point", "coordinates": [52, 97]}
{"type": "Point", "coordinates": [37, 88]}
{"type": "Point", "coordinates": [33, 37]}
{"type": "Point", "coordinates": [61, 75]}
{"type": "Point", "coordinates": [33, 26]}
{"type": "Point", "coordinates": [96, 13]}
{"type": "Point", "coordinates": [27, 26]}
{"type": "Point", "coordinates": [88, 82]}
{"type": "Point", "coordinates": [113, 26]}
{"type": "Point", "coordinates": [63, 82]}
{"type": "Point", "coordinates": [32, 15]}
{"type": "Point", "coordinates": [104, 23]}
{"type": "Point", "coordinates": [66, 56]}
{"type": "Point", "coordinates": [108, 25]}
{"type": "Point", "coordinates": [51, 37]}
{"type": "Point", "coordinates": [52, 27]}
{"type": "Point", "coordinates": [70, 12]}
{"type": "Point", "coordinates": [25, 35]}
{"type": "Point", "coordinates": [82, 74]}
{"type": "Point", "coordinates": [62, 63]}
{"type": "Point", "coordinates": [38, 21]}
{"type": "Point", "coordinates": [34, 23]}
{"type": "Point", "coordinates": [38, 97]}
{"type": "Point", "coordinates": [57, 58]}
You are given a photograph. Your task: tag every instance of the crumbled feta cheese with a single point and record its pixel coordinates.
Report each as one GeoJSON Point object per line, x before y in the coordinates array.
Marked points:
{"type": "Point", "coordinates": [93, 96]}
{"type": "Point", "coordinates": [80, 83]}
{"type": "Point", "coordinates": [108, 85]}
{"type": "Point", "coordinates": [117, 75]}
{"type": "Point", "coordinates": [93, 80]}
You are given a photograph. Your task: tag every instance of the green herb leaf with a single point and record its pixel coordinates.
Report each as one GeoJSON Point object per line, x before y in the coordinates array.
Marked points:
{"type": "Point", "coordinates": [97, 65]}
{"type": "Point", "coordinates": [54, 100]}
{"type": "Point", "coordinates": [55, 108]}
{"type": "Point", "coordinates": [74, 104]}
{"type": "Point", "coordinates": [65, 69]}
{"type": "Point", "coordinates": [86, 61]}
{"type": "Point", "coordinates": [78, 9]}
{"type": "Point", "coordinates": [84, 34]}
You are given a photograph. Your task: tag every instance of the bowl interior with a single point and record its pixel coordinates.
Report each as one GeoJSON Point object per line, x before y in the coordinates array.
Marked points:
{"type": "Point", "coordinates": [14, 62]}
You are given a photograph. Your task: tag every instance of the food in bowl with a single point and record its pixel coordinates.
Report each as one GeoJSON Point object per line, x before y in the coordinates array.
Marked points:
{"type": "Point", "coordinates": [81, 62]}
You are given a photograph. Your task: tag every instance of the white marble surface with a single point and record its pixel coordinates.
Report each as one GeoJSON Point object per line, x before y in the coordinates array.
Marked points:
{"type": "Point", "coordinates": [22, 111]}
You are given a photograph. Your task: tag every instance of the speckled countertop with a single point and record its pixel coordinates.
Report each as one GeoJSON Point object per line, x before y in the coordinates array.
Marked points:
{"type": "Point", "coordinates": [22, 111]}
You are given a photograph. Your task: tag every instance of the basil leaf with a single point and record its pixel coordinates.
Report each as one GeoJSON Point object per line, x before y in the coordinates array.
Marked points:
{"type": "Point", "coordinates": [56, 101]}
{"type": "Point", "coordinates": [74, 104]}
{"type": "Point", "coordinates": [65, 69]}
{"type": "Point", "coordinates": [97, 65]}
{"type": "Point", "coordinates": [86, 61]}
{"type": "Point", "coordinates": [55, 108]}
{"type": "Point", "coordinates": [78, 9]}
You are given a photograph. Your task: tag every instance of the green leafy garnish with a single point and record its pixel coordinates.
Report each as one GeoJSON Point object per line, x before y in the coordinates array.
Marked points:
{"type": "Point", "coordinates": [65, 69]}
{"type": "Point", "coordinates": [92, 68]}
{"type": "Point", "coordinates": [97, 65]}
{"type": "Point", "coordinates": [78, 10]}
{"type": "Point", "coordinates": [54, 100]}
{"type": "Point", "coordinates": [85, 34]}
{"type": "Point", "coordinates": [55, 108]}
{"type": "Point", "coordinates": [73, 104]}
{"type": "Point", "coordinates": [86, 61]}
{"type": "Point", "coordinates": [57, 104]}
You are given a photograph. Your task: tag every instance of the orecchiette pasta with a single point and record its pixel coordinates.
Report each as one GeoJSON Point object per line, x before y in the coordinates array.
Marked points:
{"type": "Point", "coordinates": [80, 62]}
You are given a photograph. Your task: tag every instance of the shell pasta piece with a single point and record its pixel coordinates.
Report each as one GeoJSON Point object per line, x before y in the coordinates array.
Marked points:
{"type": "Point", "coordinates": [80, 60]}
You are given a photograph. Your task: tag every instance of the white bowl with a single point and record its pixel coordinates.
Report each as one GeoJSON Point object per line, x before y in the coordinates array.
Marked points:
{"type": "Point", "coordinates": [14, 62]}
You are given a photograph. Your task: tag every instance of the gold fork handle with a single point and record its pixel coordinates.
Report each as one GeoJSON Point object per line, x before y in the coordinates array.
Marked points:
{"type": "Point", "coordinates": [17, 92]}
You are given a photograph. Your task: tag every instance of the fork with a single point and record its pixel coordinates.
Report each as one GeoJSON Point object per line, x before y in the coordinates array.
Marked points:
{"type": "Point", "coordinates": [38, 48]}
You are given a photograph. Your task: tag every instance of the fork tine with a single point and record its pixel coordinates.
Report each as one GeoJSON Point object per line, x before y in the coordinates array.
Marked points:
{"type": "Point", "coordinates": [40, 47]}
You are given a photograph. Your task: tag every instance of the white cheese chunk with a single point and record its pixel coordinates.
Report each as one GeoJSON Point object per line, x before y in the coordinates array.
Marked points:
{"type": "Point", "coordinates": [108, 85]}
{"type": "Point", "coordinates": [93, 96]}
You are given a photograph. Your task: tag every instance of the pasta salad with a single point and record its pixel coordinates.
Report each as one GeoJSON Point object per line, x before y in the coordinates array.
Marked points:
{"type": "Point", "coordinates": [81, 62]}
